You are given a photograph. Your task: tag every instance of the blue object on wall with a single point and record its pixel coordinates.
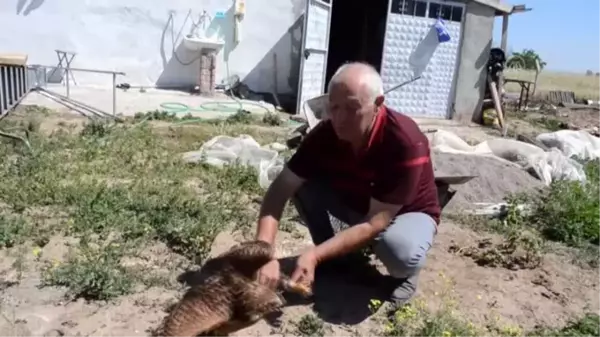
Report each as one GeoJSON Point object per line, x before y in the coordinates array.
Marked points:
{"type": "Point", "coordinates": [443, 34]}
{"type": "Point", "coordinates": [220, 14]}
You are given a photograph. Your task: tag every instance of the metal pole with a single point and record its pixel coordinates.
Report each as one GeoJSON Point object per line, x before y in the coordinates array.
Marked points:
{"type": "Point", "coordinates": [67, 75]}
{"type": "Point", "coordinates": [114, 93]}
{"type": "Point", "coordinates": [402, 84]}
{"type": "Point", "coordinates": [2, 86]}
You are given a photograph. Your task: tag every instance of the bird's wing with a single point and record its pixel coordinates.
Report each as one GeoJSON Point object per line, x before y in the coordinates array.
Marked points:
{"type": "Point", "coordinates": [255, 301]}
{"type": "Point", "coordinates": [201, 310]}
{"type": "Point", "coordinates": [248, 257]}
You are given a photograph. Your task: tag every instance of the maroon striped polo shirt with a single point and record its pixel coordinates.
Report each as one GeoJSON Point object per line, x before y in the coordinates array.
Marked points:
{"type": "Point", "coordinates": [395, 167]}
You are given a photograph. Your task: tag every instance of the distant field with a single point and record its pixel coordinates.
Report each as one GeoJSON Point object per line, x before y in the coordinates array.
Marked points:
{"type": "Point", "coordinates": [584, 87]}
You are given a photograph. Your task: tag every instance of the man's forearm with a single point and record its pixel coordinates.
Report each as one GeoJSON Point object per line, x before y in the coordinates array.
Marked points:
{"type": "Point", "coordinates": [346, 241]}
{"type": "Point", "coordinates": [270, 214]}
{"type": "Point", "coordinates": [357, 236]}
{"type": "Point", "coordinates": [271, 211]}
{"type": "Point", "coordinates": [267, 229]}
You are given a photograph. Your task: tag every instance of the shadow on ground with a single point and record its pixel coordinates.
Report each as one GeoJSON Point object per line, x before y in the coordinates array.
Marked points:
{"type": "Point", "coordinates": [342, 297]}
{"type": "Point", "coordinates": [339, 297]}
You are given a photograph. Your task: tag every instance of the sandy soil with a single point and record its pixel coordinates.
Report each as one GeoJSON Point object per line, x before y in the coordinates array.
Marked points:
{"type": "Point", "coordinates": [494, 179]}
{"type": "Point", "coordinates": [547, 295]}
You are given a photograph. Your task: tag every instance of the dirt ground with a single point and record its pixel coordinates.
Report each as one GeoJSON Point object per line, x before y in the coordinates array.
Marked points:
{"type": "Point", "coordinates": [547, 295]}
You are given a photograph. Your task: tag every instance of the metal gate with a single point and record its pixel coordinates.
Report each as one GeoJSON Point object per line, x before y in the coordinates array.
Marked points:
{"type": "Point", "coordinates": [408, 22]}
{"type": "Point", "coordinates": [313, 57]}
{"type": "Point", "coordinates": [13, 86]}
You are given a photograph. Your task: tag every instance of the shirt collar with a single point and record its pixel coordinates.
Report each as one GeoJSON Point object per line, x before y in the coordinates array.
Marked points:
{"type": "Point", "coordinates": [377, 130]}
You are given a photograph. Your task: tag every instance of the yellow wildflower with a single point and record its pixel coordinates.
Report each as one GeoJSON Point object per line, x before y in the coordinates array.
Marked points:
{"type": "Point", "coordinates": [37, 251]}
{"type": "Point", "coordinates": [405, 313]}
{"type": "Point", "coordinates": [446, 333]}
{"type": "Point", "coordinates": [511, 331]}
{"type": "Point", "coordinates": [374, 304]}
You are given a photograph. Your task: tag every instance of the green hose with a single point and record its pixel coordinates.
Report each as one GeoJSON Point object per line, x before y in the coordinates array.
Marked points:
{"type": "Point", "coordinates": [180, 108]}
{"type": "Point", "coordinates": [227, 107]}
{"type": "Point", "coordinates": [230, 108]}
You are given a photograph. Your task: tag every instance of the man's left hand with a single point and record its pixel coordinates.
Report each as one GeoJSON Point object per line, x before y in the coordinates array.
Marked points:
{"type": "Point", "coordinates": [305, 268]}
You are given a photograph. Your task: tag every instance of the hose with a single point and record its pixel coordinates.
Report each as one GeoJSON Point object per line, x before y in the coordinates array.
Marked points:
{"type": "Point", "coordinates": [222, 106]}
{"type": "Point", "coordinates": [180, 109]}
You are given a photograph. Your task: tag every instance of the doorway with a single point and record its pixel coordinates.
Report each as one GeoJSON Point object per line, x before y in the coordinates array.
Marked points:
{"type": "Point", "coordinates": [356, 33]}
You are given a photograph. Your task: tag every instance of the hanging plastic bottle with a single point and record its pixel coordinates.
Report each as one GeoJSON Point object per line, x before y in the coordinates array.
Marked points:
{"type": "Point", "coordinates": [422, 54]}
{"type": "Point", "coordinates": [240, 8]}
{"type": "Point", "coordinates": [238, 16]}
{"type": "Point", "coordinates": [442, 31]}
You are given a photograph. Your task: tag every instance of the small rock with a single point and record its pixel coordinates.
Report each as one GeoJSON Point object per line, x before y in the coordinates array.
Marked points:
{"type": "Point", "coordinates": [16, 329]}
{"type": "Point", "coordinates": [54, 333]}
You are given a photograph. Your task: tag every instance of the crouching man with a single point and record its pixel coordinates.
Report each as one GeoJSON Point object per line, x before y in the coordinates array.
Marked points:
{"type": "Point", "coordinates": [368, 166]}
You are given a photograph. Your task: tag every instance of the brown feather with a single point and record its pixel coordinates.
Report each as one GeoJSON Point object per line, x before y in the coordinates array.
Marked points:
{"type": "Point", "coordinates": [229, 298]}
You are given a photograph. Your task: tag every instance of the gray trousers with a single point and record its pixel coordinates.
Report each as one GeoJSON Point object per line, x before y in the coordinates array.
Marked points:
{"type": "Point", "coordinates": [402, 247]}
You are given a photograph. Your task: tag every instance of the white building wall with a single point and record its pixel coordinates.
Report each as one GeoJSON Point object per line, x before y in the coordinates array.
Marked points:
{"type": "Point", "coordinates": [134, 36]}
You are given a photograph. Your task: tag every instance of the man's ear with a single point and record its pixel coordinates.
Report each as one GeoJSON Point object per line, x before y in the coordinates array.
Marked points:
{"type": "Point", "coordinates": [379, 100]}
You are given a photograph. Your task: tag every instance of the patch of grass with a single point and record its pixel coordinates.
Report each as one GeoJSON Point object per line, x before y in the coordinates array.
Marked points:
{"type": "Point", "coordinates": [569, 211]}
{"type": "Point", "coordinates": [14, 230]}
{"type": "Point", "coordinates": [521, 248]}
{"type": "Point", "coordinates": [585, 87]}
{"type": "Point", "coordinates": [238, 118]}
{"type": "Point", "coordinates": [588, 325]}
{"type": "Point", "coordinates": [159, 115]}
{"type": "Point", "coordinates": [416, 319]}
{"type": "Point", "coordinates": [551, 124]}
{"type": "Point", "coordinates": [272, 119]}
{"type": "Point", "coordinates": [419, 319]}
{"type": "Point", "coordinates": [310, 325]}
{"type": "Point", "coordinates": [92, 273]}
{"type": "Point", "coordinates": [127, 183]}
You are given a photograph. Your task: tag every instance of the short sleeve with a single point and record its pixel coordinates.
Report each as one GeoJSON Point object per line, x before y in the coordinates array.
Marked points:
{"type": "Point", "coordinates": [304, 162]}
{"type": "Point", "coordinates": [398, 181]}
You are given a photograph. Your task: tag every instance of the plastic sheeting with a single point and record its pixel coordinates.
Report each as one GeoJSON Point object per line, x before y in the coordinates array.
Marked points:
{"type": "Point", "coordinates": [557, 163]}
{"type": "Point", "coordinates": [224, 150]}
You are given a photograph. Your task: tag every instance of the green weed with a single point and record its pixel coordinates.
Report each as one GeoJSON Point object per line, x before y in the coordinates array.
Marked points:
{"type": "Point", "coordinates": [92, 273]}
{"type": "Point", "coordinates": [124, 182]}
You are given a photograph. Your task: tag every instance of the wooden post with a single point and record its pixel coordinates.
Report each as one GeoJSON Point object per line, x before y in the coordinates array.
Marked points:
{"type": "Point", "coordinates": [503, 46]}
{"type": "Point", "coordinates": [504, 41]}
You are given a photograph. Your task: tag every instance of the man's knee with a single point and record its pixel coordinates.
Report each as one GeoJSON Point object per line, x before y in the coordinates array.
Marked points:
{"type": "Point", "coordinates": [404, 245]}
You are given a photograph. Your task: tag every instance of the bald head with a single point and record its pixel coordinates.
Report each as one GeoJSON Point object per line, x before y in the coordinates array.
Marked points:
{"type": "Point", "coordinates": [355, 95]}
{"type": "Point", "coordinates": [359, 76]}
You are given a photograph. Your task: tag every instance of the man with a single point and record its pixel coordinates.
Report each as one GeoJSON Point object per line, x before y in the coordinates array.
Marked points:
{"type": "Point", "coordinates": [368, 166]}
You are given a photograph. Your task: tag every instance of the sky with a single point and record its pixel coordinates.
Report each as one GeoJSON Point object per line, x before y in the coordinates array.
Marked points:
{"type": "Point", "coordinates": [565, 33]}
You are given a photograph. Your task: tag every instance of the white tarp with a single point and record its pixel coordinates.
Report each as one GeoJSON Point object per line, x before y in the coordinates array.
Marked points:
{"type": "Point", "coordinates": [557, 163]}
{"type": "Point", "coordinates": [222, 150]}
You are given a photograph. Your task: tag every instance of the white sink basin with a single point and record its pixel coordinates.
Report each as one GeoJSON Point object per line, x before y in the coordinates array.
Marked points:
{"type": "Point", "coordinates": [197, 44]}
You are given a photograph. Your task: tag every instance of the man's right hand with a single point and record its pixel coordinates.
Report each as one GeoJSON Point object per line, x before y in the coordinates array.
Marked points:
{"type": "Point", "coordinates": [269, 274]}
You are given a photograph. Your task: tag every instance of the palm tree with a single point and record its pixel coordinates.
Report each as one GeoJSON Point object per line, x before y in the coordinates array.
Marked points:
{"type": "Point", "coordinates": [525, 60]}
